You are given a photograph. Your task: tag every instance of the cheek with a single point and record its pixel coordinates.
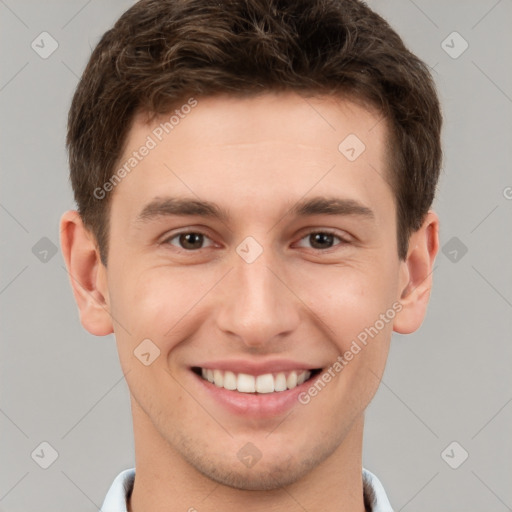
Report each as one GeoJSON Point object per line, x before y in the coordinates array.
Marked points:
{"type": "Point", "coordinates": [153, 307]}
{"type": "Point", "coordinates": [347, 299]}
{"type": "Point", "coordinates": [158, 303]}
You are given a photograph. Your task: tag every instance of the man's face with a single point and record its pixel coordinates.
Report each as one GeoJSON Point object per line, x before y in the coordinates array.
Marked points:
{"type": "Point", "coordinates": [265, 290]}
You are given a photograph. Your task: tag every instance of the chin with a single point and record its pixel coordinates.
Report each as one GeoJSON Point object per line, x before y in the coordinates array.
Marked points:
{"type": "Point", "coordinates": [271, 472]}
{"type": "Point", "coordinates": [257, 479]}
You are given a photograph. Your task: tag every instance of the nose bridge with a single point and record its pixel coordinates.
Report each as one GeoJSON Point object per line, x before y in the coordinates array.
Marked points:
{"type": "Point", "coordinates": [257, 305]}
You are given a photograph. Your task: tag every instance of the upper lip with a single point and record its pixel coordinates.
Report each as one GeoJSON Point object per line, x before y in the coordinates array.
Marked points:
{"type": "Point", "coordinates": [256, 368]}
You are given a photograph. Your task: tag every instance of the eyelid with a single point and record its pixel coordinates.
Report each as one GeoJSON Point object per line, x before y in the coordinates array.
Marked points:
{"type": "Point", "coordinates": [174, 234]}
{"type": "Point", "coordinates": [344, 240]}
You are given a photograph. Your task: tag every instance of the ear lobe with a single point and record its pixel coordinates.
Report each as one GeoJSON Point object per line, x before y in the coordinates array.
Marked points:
{"type": "Point", "coordinates": [87, 274]}
{"type": "Point", "coordinates": [416, 275]}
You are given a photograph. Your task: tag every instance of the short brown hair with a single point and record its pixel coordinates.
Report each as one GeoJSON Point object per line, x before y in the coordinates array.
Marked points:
{"type": "Point", "coordinates": [162, 51]}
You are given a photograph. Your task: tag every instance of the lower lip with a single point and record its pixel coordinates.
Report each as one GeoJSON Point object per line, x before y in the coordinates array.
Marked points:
{"type": "Point", "coordinates": [260, 405]}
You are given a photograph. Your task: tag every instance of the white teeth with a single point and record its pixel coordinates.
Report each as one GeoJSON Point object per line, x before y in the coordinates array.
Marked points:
{"type": "Point", "coordinates": [218, 378]}
{"type": "Point", "coordinates": [245, 383]}
{"type": "Point", "coordinates": [265, 383]}
{"type": "Point", "coordinates": [280, 382]}
{"type": "Point", "coordinates": [291, 381]}
{"type": "Point", "coordinates": [229, 381]}
{"type": "Point", "coordinates": [301, 378]}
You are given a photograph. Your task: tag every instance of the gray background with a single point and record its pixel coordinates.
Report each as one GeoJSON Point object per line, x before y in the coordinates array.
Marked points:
{"type": "Point", "coordinates": [449, 381]}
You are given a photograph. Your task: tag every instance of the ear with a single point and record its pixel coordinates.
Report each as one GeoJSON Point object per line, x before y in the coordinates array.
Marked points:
{"type": "Point", "coordinates": [416, 275]}
{"type": "Point", "coordinates": [87, 274]}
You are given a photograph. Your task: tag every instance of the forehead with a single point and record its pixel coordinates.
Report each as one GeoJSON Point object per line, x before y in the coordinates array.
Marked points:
{"type": "Point", "coordinates": [261, 151]}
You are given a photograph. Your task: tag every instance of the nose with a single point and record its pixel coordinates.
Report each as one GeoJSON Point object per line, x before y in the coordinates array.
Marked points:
{"type": "Point", "coordinates": [257, 304]}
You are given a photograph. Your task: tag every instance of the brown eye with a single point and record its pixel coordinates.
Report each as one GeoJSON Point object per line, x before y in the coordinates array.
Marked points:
{"type": "Point", "coordinates": [189, 240]}
{"type": "Point", "coordinates": [322, 240]}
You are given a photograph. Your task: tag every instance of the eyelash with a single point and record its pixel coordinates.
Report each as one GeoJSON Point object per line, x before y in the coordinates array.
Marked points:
{"type": "Point", "coordinates": [342, 240]}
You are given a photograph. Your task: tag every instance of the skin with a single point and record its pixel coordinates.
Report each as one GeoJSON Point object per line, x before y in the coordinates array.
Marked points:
{"type": "Point", "coordinates": [255, 158]}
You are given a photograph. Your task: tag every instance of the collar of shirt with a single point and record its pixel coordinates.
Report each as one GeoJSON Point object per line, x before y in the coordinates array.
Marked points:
{"type": "Point", "coordinates": [375, 498]}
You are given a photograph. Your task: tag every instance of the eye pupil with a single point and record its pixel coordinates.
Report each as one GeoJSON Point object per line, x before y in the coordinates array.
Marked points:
{"type": "Point", "coordinates": [191, 240]}
{"type": "Point", "coordinates": [321, 238]}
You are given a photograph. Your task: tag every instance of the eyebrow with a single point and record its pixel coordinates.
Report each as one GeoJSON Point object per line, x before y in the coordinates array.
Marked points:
{"type": "Point", "coordinates": [331, 206]}
{"type": "Point", "coordinates": [167, 206]}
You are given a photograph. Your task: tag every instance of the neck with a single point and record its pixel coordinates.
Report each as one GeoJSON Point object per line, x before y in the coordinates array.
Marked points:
{"type": "Point", "coordinates": [166, 482]}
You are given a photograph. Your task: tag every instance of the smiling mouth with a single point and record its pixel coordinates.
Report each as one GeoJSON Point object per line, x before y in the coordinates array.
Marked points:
{"type": "Point", "coordinates": [255, 384]}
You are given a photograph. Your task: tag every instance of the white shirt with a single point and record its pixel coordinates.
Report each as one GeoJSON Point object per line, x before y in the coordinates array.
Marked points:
{"type": "Point", "coordinates": [117, 496]}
